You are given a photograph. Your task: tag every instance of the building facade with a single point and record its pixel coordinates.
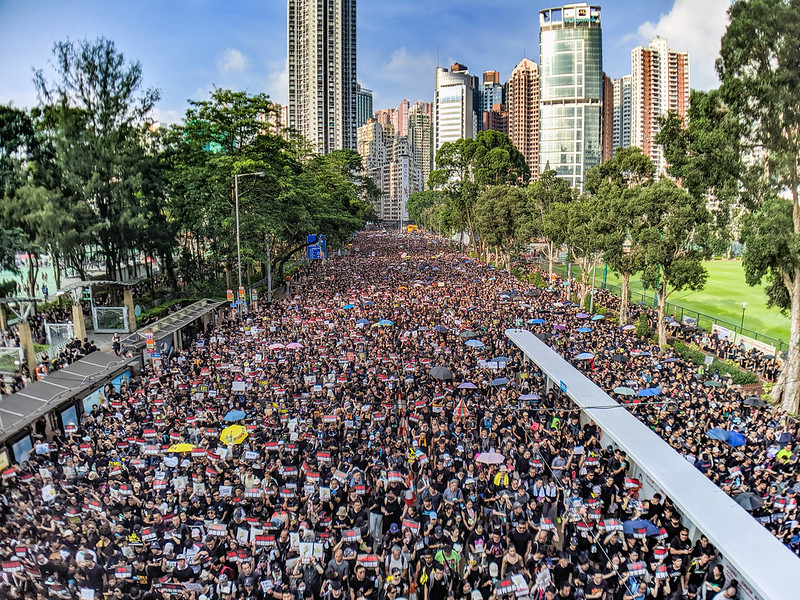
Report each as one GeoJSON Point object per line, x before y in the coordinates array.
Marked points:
{"type": "Point", "coordinates": [571, 55]}
{"type": "Point", "coordinates": [523, 112]}
{"type": "Point", "coordinates": [420, 139]}
{"type": "Point", "coordinates": [607, 120]}
{"type": "Point", "coordinates": [454, 115]}
{"type": "Point", "coordinates": [321, 55]}
{"type": "Point", "coordinates": [363, 105]}
{"type": "Point", "coordinates": [622, 112]}
{"type": "Point", "coordinates": [659, 84]}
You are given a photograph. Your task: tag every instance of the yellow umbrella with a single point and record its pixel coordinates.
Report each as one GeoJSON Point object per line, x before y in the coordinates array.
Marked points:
{"type": "Point", "coordinates": [233, 434]}
{"type": "Point", "coordinates": [180, 448]}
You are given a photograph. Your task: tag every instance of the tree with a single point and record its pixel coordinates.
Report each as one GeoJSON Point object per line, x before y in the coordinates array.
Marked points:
{"type": "Point", "coordinates": [546, 197]}
{"type": "Point", "coordinates": [759, 69]}
{"type": "Point", "coordinates": [582, 220]}
{"type": "Point", "coordinates": [617, 184]}
{"type": "Point", "coordinates": [704, 153]}
{"type": "Point", "coordinates": [675, 236]}
{"type": "Point", "coordinates": [499, 216]}
{"type": "Point", "coordinates": [419, 202]}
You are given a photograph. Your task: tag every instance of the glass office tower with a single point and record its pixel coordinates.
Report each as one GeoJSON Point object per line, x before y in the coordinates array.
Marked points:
{"type": "Point", "coordinates": [571, 55]}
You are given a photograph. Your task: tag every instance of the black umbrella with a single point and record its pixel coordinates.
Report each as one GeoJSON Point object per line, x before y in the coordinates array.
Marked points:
{"type": "Point", "coordinates": [749, 501]}
{"type": "Point", "coordinates": [754, 401]}
{"type": "Point", "coordinates": [619, 358]}
{"type": "Point", "coordinates": [441, 373]}
{"type": "Point", "coordinates": [544, 336]}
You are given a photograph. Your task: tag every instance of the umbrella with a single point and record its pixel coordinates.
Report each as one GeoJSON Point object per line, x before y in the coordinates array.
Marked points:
{"type": "Point", "coordinates": [441, 373]}
{"type": "Point", "coordinates": [735, 439]}
{"type": "Point", "coordinates": [234, 415]}
{"type": "Point", "coordinates": [294, 346]}
{"type": "Point", "coordinates": [754, 401]}
{"type": "Point", "coordinates": [500, 359]}
{"type": "Point", "coordinates": [624, 391]}
{"type": "Point", "coordinates": [581, 316]}
{"type": "Point", "coordinates": [490, 458]}
{"type": "Point", "coordinates": [559, 326]}
{"type": "Point", "coordinates": [535, 321]}
{"type": "Point", "coordinates": [598, 318]}
{"type": "Point", "coordinates": [583, 329]}
{"type": "Point", "coordinates": [467, 334]}
{"type": "Point", "coordinates": [530, 397]}
{"type": "Point", "coordinates": [628, 327]}
{"type": "Point", "coordinates": [749, 501]}
{"type": "Point", "coordinates": [584, 356]}
{"type": "Point", "coordinates": [647, 392]}
{"type": "Point", "coordinates": [630, 527]}
{"type": "Point", "coordinates": [717, 434]}
{"type": "Point", "coordinates": [467, 385]}
{"type": "Point", "coordinates": [713, 383]}
{"type": "Point", "coordinates": [181, 448]}
{"type": "Point", "coordinates": [276, 346]}
{"type": "Point", "coordinates": [385, 322]}
{"type": "Point", "coordinates": [498, 381]}
{"type": "Point", "coordinates": [348, 306]}
{"type": "Point", "coordinates": [475, 343]}
{"type": "Point", "coordinates": [544, 336]}
{"type": "Point", "coordinates": [362, 322]}
{"type": "Point", "coordinates": [619, 358]}
{"type": "Point", "coordinates": [673, 324]}
{"type": "Point", "coordinates": [785, 438]}
{"type": "Point", "coordinates": [440, 329]}
{"type": "Point", "coordinates": [233, 434]}
{"type": "Point", "coordinates": [461, 411]}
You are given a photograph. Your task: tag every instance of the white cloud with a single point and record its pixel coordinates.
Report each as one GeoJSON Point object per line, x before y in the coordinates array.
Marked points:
{"type": "Point", "coordinates": [231, 60]}
{"type": "Point", "coordinates": [166, 116]}
{"type": "Point", "coordinates": [697, 27]}
{"type": "Point", "coordinates": [404, 75]}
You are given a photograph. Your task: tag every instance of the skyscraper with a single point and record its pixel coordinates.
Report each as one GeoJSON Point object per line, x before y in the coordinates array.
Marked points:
{"type": "Point", "coordinates": [622, 112]}
{"type": "Point", "coordinates": [659, 83]}
{"type": "Point", "coordinates": [607, 120]}
{"type": "Point", "coordinates": [523, 112]}
{"type": "Point", "coordinates": [420, 139]}
{"type": "Point", "coordinates": [453, 106]}
{"type": "Point", "coordinates": [571, 55]}
{"type": "Point", "coordinates": [363, 105]}
{"type": "Point", "coordinates": [321, 50]}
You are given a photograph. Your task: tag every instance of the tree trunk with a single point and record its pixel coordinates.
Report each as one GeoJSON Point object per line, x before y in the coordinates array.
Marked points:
{"type": "Point", "coordinates": [787, 388]}
{"type": "Point", "coordinates": [508, 261]}
{"type": "Point", "coordinates": [550, 257]}
{"type": "Point", "coordinates": [623, 304]}
{"type": "Point", "coordinates": [57, 270]}
{"type": "Point", "coordinates": [662, 307]}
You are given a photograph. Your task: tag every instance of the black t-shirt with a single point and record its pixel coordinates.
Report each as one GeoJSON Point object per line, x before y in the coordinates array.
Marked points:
{"type": "Point", "coordinates": [520, 540]}
{"type": "Point", "coordinates": [94, 576]}
{"type": "Point", "coordinates": [592, 588]}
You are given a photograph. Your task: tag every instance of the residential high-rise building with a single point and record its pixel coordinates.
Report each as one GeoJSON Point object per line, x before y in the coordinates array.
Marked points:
{"type": "Point", "coordinates": [496, 119]}
{"type": "Point", "coordinates": [622, 112]}
{"type": "Point", "coordinates": [659, 84]}
{"type": "Point", "coordinates": [571, 56]}
{"type": "Point", "coordinates": [321, 50]}
{"type": "Point", "coordinates": [388, 161]}
{"type": "Point", "coordinates": [607, 120]}
{"type": "Point", "coordinates": [420, 139]}
{"type": "Point", "coordinates": [453, 106]}
{"type": "Point", "coordinates": [363, 105]}
{"type": "Point", "coordinates": [400, 118]}
{"type": "Point", "coordinates": [523, 112]}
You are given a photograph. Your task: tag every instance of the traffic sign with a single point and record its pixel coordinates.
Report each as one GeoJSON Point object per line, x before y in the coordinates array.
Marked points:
{"type": "Point", "coordinates": [241, 292]}
{"type": "Point", "coordinates": [316, 249]}
{"type": "Point", "coordinates": [230, 295]}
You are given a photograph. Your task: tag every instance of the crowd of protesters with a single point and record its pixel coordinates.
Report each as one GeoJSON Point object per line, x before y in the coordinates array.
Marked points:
{"type": "Point", "coordinates": [376, 436]}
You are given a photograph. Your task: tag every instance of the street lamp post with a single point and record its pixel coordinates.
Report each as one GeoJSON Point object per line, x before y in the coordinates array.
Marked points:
{"type": "Point", "coordinates": [238, 238]}
{"type": "Point", "coordinates": [744, 308]}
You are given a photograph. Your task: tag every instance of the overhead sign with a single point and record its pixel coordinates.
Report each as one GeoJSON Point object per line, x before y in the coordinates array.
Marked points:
{"type": "Point", "coordinates": [241, 292]}
{"type": "Point", "coordinates": [316, 248]}
{"type": "Point", "coordinates": [230, 295]}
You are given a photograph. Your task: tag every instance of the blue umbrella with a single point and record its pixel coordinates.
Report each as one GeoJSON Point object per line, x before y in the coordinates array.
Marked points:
{"type": "Point", "coordinates": [440, 329]}
{"type": "Point", "coordinates": [385, 322]}
{"type": "Point", "coordinates": [535, 321]}
{"type": "Point", "coordinates": [234, 415]}
{"type": "Point", "coordinates": [362, 322]}
{"type": "Point", "coordinates": [717, 434]}
{"type": "Point", "coordinates": [533, 396]}
{"type": "Point", "coordinates": [628, 527]}
{"type": "Point", "coordinates": [647, 392]}
{"type": "Point", "coordinates": [348, 306]}
{"type": "Point", "coordinates": [475, 343]}
{"type": "Point", "coordinates": [499, 381]}
{"type": "Point", "coordinates": [368, 303]}
{"type": "Point", "coordinates": [500, 359]}
{"type": "Point", "coordinates": [735, 439]}
{"type": "Point", "coordinates": [598, 318]}
{"type": "Point", "coordinates": [583, 329]}
{"type": "Point", "coordinates": [584, 356]}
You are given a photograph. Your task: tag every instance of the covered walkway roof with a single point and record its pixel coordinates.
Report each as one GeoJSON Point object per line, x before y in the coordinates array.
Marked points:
{"type": "Point", "coordinates": [770, 568]}
{"type": "Point", "coordinates": [171, 323]}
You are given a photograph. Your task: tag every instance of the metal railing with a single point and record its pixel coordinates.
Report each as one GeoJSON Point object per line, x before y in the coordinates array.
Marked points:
{"type": "Point", "coordinates": [703, 320]}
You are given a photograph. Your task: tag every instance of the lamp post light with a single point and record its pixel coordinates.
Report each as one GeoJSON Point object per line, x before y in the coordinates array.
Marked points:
{"type": "Point", "coordinates": [236, 177]}
{"type": "Point", "coordinates": [744, 308]}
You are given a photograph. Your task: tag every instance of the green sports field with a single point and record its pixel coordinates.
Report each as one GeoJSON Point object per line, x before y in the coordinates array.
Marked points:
{"type": "Point", "coordinates": [721, 299]}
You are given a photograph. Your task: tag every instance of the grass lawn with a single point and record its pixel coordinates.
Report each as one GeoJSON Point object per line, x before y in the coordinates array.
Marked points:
{"type": "Point", "coordinates": [722, 299]}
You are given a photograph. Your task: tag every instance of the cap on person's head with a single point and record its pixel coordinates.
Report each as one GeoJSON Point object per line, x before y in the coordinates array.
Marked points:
{"type": "Point", "coordinates": [180, 557]}
{"type": "Point", "coordinates": [248, 581]}
{"type": "Point", "coordinates": [394, 528]}
{"type": "Point", "coordinates": [155, 546]}
{"type": "Point", "coordinates": [438, 530]}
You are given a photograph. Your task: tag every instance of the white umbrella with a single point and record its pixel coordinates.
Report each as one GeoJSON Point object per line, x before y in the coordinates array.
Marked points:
{"type": "Point", "coordinates": [490, 458]}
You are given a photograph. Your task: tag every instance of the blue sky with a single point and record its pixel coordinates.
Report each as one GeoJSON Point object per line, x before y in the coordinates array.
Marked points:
{"type": "Point", "coordinates": [186, 46]}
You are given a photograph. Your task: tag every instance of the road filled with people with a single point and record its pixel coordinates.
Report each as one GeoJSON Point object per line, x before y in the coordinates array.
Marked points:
{"type": "Point", "coordinates": [375, 436]}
